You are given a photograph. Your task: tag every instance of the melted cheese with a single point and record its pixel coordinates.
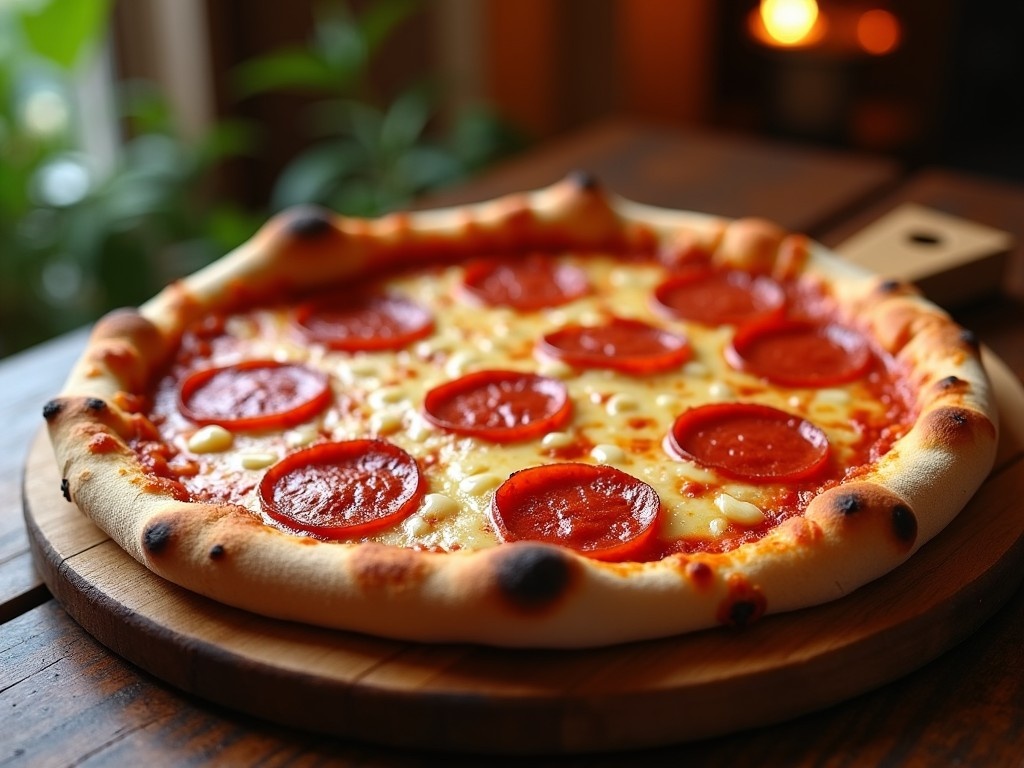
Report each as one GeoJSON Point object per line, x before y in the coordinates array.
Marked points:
{"type": "Point", "coordinates": [617, 419]}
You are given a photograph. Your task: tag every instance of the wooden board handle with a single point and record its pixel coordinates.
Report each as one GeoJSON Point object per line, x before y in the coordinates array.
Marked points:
{"type": "Point", "coordinates": [952, 260]}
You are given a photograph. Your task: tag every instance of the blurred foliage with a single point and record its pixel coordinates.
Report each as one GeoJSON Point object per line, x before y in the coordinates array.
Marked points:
{"type": "Point", "coordinates": [369, 153]}
{"type": "Point", "coordinates": [77, 240]}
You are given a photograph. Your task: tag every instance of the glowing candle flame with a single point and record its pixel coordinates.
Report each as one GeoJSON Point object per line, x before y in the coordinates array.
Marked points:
{"type": "Point", "coordinates": [788, 22]}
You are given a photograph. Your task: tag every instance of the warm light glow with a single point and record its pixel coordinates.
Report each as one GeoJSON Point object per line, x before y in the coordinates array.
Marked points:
{"type": "Point", "coordinates": [788, 22]}
{"type": "Point", "coordinates": [878, 32]}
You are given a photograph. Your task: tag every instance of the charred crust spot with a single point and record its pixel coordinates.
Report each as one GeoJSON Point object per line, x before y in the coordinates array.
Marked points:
{"type": "Point", "coordinates": [584, 180]}
{"type": "Point", "coordinates": [95, 405]}
{"type": "Point", "coordinates": [533, 576]}
{"type": "Point", "coordinates": [889, 286]}
{"type": "Point", "coordinates": [217, 551]}
{"type": "Point", "coordinates": [309, 222]}
{"type": "Point", "coordinates": [950, 382]}
{"type": "Point", "coordinates": [65, 489]}
{"type": "Point", "coordinates": [744, 604]}
{"type": "Point", "coordinates": [970, 338]}
{"type": "Point", "coordinates": [955, 418]}
{"type": "Point", "coordinates": [157, 536]}
{"type": "Point", "coordinates": [904, 523]}
{"type": "Point", "coordinates": [848, 504]}
{"type": "Point", "coordinates": [52, 408]}
{"type": "Point", "coordinates": [742, 613]}
{"type": "Point", "coordinates": [742, 610]}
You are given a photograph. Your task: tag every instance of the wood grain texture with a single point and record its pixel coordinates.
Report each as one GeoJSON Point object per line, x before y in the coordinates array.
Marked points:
{"type": "Point", "coordinates": [69, 701]}
{"type": "Point", "coordinates": [798, 187]}
{"type": "Point", "coordinates": [480, 699]}
{"type": "Point", "coordinates": [27, 380]}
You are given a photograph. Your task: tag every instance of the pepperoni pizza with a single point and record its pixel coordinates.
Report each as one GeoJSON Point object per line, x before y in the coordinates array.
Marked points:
{"type": "Point", "coordinates": [557, 419]}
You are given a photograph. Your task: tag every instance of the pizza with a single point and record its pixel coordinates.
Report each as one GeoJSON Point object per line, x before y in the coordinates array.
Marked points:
{"type": "Point", "coordinates": [554, 419]}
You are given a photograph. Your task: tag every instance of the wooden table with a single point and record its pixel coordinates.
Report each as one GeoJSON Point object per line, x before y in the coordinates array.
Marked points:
{"type": "Point", "coordinates": [65, 699]}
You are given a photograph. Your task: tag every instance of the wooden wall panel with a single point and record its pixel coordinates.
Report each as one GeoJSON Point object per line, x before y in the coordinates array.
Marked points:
{"type": "Point", "coordinates": [522, 62]}
{"type": "Point", "coordinates": [554, 66]}
{"type": "Point", "coordinates": [666, 56]}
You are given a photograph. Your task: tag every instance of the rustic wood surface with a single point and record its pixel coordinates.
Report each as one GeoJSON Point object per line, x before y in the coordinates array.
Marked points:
{"type": "Point", "coordinates": [802, 189]}
{"type": "Point", "coordinates": [68, 700]}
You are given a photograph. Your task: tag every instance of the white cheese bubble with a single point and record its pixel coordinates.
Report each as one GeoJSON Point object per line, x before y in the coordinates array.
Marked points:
{"type": "Point", "coordinates": [210, 439]}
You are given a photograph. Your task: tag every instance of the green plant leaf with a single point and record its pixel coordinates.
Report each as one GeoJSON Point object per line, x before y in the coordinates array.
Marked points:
{"type": "Point", "coordinates": [316, 174]}
{"type": "Point", "coordinates": [364, 122]}
{"type": "Point", "coordinates": [427, 167]}
{"type": "Point", "coordinates": [380, 19]}
{"type": "Point", "coordinates": [229, 138]}
{"type": "Point", "coordinates": [297, 68]}
{"type": "Point", "coordinates": [228, 226]}
{"type": "Point", "coordinates": [339, 42]}
{"type": "Point", "coordinates": [480, 136]}
{"type": "Point", "coordinates": [62, 30]}
{"type": "Point", "coordinates": [361, 198]}
{"type": "Point", "coordinates": [141, 102]}
{"type": "Point", "coordinates": [405, 121]}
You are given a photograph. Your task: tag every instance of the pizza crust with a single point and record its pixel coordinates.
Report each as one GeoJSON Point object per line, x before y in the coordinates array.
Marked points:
{"type": "Point", "coordinates": [524, 594]}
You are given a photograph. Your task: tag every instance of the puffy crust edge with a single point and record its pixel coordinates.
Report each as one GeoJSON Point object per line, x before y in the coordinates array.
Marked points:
{"type": "Point", "coordinates": [530, 595]}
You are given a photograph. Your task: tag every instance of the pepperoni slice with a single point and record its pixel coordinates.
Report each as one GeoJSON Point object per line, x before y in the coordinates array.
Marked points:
{"type": "Point", "coordinates": [597, 510]}
{"type": "Point", "coordinates": [720, 296]}
{"type": "Point", "coordinates": [750, 442]}
{"type": "Point", "coordinates": [528, 283]}
{"type": "Point", "coordinates": [500, 406]}
{"type": "Point", "coordinates": [256, 394]}
{"type": "Point", "coordinates": [364, 323]}
{"type": "Point", "coordinates": [795, 353]}
{"type": "Point", "coordinates": [623, 345]}
{"type": "Point", "coordinates": [342, 490]}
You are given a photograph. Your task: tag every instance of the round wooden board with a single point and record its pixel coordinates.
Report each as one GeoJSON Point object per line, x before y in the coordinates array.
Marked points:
{"type": "Point", "coordinates": [467, 698]}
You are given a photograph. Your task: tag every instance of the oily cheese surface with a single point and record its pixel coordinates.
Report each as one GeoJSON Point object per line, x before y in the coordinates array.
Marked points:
{"type": "Point", "coordinates": [618, 419]}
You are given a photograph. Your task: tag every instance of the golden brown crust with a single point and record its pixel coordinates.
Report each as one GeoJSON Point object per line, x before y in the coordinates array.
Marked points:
{"type": "Point", "coordinates": [521, 594]}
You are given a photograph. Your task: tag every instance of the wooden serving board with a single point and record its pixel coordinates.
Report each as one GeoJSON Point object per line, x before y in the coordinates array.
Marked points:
{"type": "Point", "coordinates": [467, 698]}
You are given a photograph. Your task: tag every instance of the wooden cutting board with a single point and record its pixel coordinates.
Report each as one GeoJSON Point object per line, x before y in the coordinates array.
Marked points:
{"type": "Point", "coordinates": [465, 698]}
